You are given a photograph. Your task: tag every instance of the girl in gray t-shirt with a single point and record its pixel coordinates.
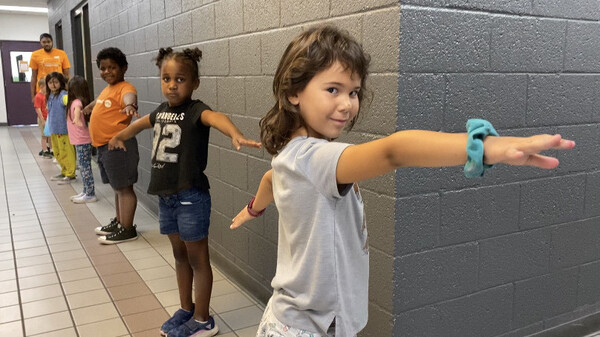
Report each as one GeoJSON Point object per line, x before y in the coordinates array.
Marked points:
{"type": "Point", "coordinates": [321, 282]}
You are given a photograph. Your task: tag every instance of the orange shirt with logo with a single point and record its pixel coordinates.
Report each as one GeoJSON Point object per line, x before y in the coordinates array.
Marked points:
{"type": "Point", "coordinates": [45, 63]}
{"type": "Point", "coordinates": [107, 119]}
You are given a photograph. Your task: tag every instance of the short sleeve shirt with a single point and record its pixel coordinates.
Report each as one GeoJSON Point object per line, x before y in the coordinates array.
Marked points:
{"type": "Point", "coordinates": [57, 117]}
{"type": "Point", "coordinates": [45, 63]}
{"type": "Point", "coordinates": [322, 254]}
{"type": "Point", "coordinates": [40, 102]}
{"type": "Point", "coordinates": [78, 135]}
{"type": "Point", "coordinates": [180, 148]}
{"type": "Point", "coordinates": [107, 119]}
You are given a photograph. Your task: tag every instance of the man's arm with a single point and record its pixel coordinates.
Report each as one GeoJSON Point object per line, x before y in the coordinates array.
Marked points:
{"type": "Point", "coordinates": [33, 83]}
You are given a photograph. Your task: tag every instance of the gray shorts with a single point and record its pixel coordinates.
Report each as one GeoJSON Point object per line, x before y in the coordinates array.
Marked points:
{"type": "Point", "coordinates": [117, 167]}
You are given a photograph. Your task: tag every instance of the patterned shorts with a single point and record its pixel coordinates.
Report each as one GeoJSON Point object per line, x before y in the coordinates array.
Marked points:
{"type": "Point", "coordinates": [270, 326]}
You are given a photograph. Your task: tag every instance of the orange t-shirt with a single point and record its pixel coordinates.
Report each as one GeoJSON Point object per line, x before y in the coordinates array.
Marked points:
{"type": "Point", "coordinates": [107, 119]}
{"type": "Point", "coordinates": [45, 63]}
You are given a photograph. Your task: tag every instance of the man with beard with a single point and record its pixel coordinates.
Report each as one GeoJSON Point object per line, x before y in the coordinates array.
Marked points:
{"type": "Point", "coordinates": [46, 60]}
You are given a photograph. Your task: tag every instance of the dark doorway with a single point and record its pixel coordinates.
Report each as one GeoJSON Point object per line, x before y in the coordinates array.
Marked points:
{"type": "Point", "coordinates": [80, 25]}
{"type": "Point", "coordinates": [59, 35]}
{"type": "Point", "coordinates": [17, 77]}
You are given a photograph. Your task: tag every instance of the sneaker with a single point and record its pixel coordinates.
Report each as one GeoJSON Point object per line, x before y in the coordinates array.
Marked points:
{"type": "Point", "coordinates": [58, 177]}
{"type": "Point", "coordinates": [77, 196]}
{"type": "Point", "coordinates": [66, 180]}
{"type": "Point", "coordinates": [54, 160]}
{"type": "Point", "coordinates": [47, 155]}
{"type": "Point", "coordinates": [41, 153]}
{"type": "Point", "coordinates": [195, 329]}
{"type": "Point", "coordinates": [85, 199]}
{"type": "Point", "coordinates": [111, 227]}
{"type": "Point", "coordinates": [179, 317]}
{"type": "Point", "coordinates": [122, 234]}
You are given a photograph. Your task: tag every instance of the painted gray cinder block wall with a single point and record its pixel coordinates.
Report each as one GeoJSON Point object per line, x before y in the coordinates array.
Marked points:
{"type": "Point", "coordinates": [517, 252]}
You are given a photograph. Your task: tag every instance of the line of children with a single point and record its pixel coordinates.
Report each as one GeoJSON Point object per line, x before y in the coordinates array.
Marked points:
{"type": "Point", "coordinates": [57, 124]}
{"type": "Point", "coordinates": [179, 156]}
{"type": "Point", "coordinates": [41, 110]}
{"type": "Point", "coordinates": [321, 281]}
{"type": "Point", "coordinates": [79, 136]}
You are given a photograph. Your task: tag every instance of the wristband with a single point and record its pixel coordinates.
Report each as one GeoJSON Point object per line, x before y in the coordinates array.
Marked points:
{"type": "Point", "coordinates": [132, 104]}
{"type": "Point", "coordinates": [477, 130]}
{"type": "Point", "coordinates": [251, 212]}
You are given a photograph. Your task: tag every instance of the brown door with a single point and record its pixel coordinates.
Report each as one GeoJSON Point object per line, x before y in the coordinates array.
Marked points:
{"type": "Point", "coordinates": [17, 90]}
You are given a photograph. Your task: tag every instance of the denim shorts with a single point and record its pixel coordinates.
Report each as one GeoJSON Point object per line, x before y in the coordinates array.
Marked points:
{"type": "Point", "coordinates": [186, 212]}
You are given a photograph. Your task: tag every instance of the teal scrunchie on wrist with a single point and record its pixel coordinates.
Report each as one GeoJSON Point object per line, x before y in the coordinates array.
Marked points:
{"type": "Point", "coordinates": [477, 130]}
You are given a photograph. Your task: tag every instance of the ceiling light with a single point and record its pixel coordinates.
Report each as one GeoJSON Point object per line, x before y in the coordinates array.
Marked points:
{"type": "Point", "coordinates": [24, 9]}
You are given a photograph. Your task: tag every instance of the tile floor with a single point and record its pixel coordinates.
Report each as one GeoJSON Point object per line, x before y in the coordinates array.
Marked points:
{"type": "Point", "coordinates": [56, 280]}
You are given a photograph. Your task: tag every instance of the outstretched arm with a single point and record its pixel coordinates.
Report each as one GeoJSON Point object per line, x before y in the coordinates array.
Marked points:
{"type": "Point", "coordinates": [222, 123]}
{"type": "Point", "coordinates": [117, 142]}
{"type": "Point", "coordinates": [264, 196]}
{"type": "Point", "coordinates": [417, 148]}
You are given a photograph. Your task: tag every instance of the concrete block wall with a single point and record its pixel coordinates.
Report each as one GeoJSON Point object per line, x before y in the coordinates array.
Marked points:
{"type": "Point", "coordinates": [514, 253]}
{"type": "Point", "coordinates": [242, 42]}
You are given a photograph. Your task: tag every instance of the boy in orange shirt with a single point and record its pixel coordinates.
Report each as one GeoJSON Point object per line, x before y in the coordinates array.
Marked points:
{"type": "Point", "coordinates": [112, 112]}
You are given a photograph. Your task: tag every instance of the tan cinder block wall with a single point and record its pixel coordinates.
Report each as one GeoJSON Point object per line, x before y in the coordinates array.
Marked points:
{"type": "Point", "coordinates": [242, 41]}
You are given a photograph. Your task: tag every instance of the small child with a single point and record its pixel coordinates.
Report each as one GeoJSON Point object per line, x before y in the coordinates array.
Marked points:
{"type": "Point", "coordinates": [321, 280]}
{"type": "Point", "coordinates": [179, 155]}
{"type": "Point", "coordinates": [111, 112]}
{"type": "Point", "coordinates": [79, 135]}
{"type": "Point", "coordinates": [41, 110]}
{"type": "Point", "coordinates": [57, 123]}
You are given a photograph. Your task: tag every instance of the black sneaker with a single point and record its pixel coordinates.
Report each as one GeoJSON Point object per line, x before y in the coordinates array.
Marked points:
{"type": "Point", "coordinates": [107, 229]}
{"type": "Point", "coordinates": [41, 153]}
{"type": "Point", "coordinates": [122, 234]}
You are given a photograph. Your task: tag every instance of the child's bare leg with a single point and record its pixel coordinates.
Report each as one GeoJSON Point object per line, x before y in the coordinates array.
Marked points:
{"type": "Point", "coordinates": [126, 200]}
{"type": "Point", "coordinates": [117, 206]}
{"type": "Point", "coordinates": [199, 261]}
{"type": "Point", "coordinates": [183, 271]}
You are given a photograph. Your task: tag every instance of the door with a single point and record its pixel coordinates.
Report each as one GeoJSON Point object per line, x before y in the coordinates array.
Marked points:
{"type": "Point", "coordinates": [17, 77]}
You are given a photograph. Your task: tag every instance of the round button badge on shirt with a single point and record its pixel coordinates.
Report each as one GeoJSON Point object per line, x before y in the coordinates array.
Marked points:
{"type": "Point", "coordinates": [107, 103]}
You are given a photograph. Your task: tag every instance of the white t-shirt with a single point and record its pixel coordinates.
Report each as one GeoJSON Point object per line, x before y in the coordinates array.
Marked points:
{"type": "Point", "coordinates": [322, 259]}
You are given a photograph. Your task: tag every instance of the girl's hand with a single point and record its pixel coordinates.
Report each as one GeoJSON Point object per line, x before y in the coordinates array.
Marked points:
{"type": "Point", "coordinates": [116, 143]}
{"type": "Point", "coordinates": [239, 140]}
{"type": "Point", "coordinates": [524, 151]}
{"type": "Point", "coordinates": [242, 217]}
{"type": "Point", "coordinates": [130, 110]}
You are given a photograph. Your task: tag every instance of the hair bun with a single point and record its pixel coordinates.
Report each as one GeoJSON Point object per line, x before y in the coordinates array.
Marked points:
{"type": "Point", "coordinates": [162, 53]}
{"type": "Point", "coordinates": [195, 54]}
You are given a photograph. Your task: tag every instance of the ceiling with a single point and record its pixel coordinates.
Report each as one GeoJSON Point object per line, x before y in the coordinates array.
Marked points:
{"type": "Point", "coordinates": [25, 3]}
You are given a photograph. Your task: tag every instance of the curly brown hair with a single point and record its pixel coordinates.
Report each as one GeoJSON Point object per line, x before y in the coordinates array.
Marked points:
{"type": "Point", "coordinates": [78, 89]}
{"type": "Point", "coordinates": [309, 53]}
{"type": "Point", "coordinates": [188, 56]}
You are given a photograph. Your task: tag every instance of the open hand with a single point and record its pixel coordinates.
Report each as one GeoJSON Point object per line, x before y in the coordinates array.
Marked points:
{"type": "Point", "coordinates": [129, 110]}
{"type": "Point", "coordinates": [239, 141]}
{"type": "Point", "coordinates": [524, 150]}
{"type": "Point", "coordinates": [241, 218]}
{"type": "Point", "coordinates": [116, 143]}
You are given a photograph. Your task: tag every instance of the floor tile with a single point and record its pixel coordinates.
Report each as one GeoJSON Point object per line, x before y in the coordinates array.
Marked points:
{"type": "Point", "coordinates": [108, 328]}
{"type": "Point", "coordinates": [95, 313]}
{"type": "Point", "coordinates": [69, 332]}
{"type": "Point", "coordinates": [162, 284]}
{"type": "Point", "coordinates": [146, 320]}
{"type": "Point", "coordinates": [40, 293]}
{"type": "Point", "coordinates": [128, 291]}
{"type": "Point", "coordinates": [242, 318]}
{"type": "Point", "coordinates": [44, 307]}
{"type": "Point", "coordinates": [8, 286]}
{"type": "Point", "coordinates": [36, 270]}
{"type": "Point", "coordinates": [38, 281]}
{"type": "Point", "coordinates": [10, 314]}
{"type": "Point", "coordinates": [47, 323]}
{"type": "Point", "coordinates": [34, 260]}
{"type": "Point", "coordinates": [77, 274]}
{"type": "Point", "coordinates": [80, 286]}
{"type": "Point", "coordinates": [138, 304]}
{"type": "Point", "coordinates": [230, 302]}
{"type": "Point", "coordinates": [247, 332]}
{"type": "Point", "coordinates": [120, 279]}
{"type": "Point", "coordinates": [8, 299]}
{"type": "Point", "coordinates": [13, 329]}
{"type": "Point", "coordinates": [88, 298]}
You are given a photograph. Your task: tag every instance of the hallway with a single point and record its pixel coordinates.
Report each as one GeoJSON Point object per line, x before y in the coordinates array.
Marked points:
{"type": "Point", "coordinates": [57, 280]}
